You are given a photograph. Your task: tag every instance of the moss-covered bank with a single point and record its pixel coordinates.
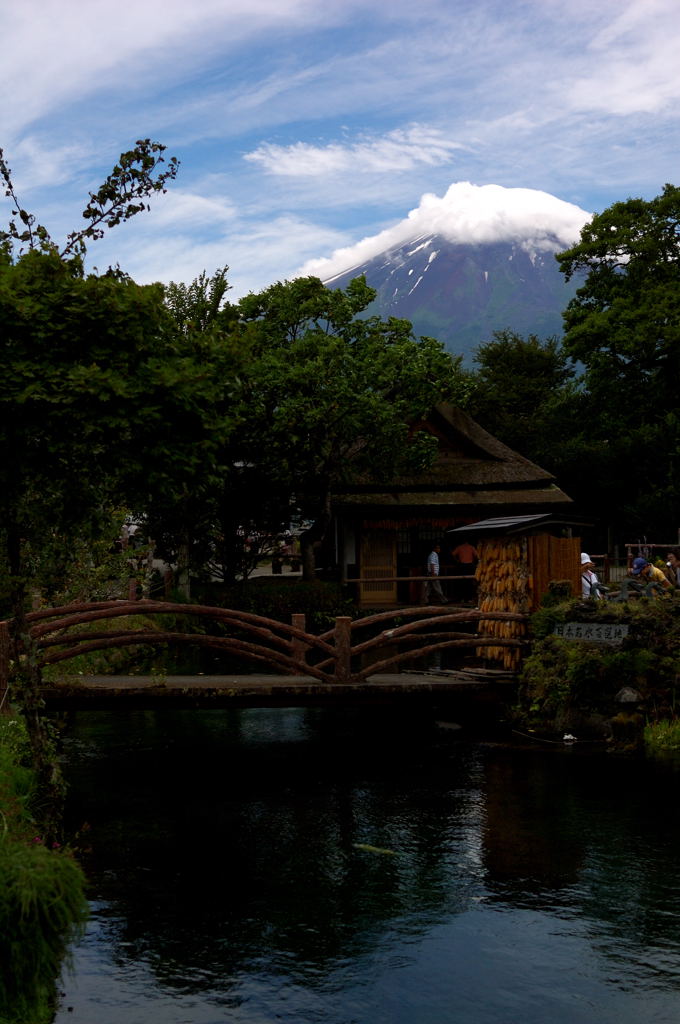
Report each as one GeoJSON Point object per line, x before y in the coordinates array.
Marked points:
{"type": "Point", "coordinates": [602, 690]}
{"type": "Point", "coordinates": [42, 892]}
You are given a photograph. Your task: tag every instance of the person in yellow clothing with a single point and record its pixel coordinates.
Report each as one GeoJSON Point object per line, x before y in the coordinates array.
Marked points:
{"type": "Point", "coordinates": [645, 572]}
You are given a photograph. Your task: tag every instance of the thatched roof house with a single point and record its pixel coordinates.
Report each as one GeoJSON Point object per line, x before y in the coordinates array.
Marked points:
{"type": "Point", "coordinates": [383, 532]}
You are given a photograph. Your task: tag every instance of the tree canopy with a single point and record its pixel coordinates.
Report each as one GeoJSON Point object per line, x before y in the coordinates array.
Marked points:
{"type": "Point", "coordinates": [624, 322]}
{"type": "Point", "coordinates": [323, 395]}
{"type": "Point", "coordinates": [519, 392]}
{"type": "Point", "coordinates": [90, 368]}
{"type": "Point", "coordinates": [332, 393]}
{"type": "Point", "coordinates": [99, 400]}
{"type": "Point", "coordinates": [623, 325]}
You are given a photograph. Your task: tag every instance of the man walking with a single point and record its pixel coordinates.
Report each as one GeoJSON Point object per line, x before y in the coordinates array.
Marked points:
{"type": "Point", "coordinates": [432, 587]}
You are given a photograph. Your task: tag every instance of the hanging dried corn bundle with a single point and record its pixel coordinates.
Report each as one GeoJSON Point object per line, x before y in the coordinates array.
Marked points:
{"type": "Point", "coordinates": [503, 586]}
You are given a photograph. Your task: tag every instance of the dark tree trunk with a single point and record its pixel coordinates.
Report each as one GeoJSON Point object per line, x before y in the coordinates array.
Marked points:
{"type": "Point", "coordinates": [312, 539]}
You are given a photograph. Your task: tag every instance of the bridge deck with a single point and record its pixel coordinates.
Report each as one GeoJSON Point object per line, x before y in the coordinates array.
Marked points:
{"type": "Point", "coordinates": [262, 690]}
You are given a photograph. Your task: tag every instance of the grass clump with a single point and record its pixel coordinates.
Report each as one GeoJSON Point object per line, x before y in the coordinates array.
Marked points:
{"type": "Point", "coordinates": [662, 737]}
{"type": "Point", "coordinates": [42, 895]}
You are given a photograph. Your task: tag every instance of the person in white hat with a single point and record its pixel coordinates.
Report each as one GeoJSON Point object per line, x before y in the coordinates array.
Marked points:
{"type": "Point", "coordinates": [588, 577]}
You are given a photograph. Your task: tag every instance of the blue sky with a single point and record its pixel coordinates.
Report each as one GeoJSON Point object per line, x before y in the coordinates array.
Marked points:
{"type": "Point", "coordinates": [304, 127]}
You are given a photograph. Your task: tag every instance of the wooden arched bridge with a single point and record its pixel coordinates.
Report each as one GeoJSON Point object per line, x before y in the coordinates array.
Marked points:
{"type": "Point", "coordinates": [355, 658]}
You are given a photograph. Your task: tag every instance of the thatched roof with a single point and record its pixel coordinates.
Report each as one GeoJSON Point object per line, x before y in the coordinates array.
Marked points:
{"type": "Point", "coordinates": [550, 495]}
{"type": "Point", "coordinates": [472, 468]}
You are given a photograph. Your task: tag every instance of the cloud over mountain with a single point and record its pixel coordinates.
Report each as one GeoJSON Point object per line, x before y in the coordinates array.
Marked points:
{"type": "Point", "coordinates": [469, 215]}
{"type": "Point", "coordinates": [478, 260]}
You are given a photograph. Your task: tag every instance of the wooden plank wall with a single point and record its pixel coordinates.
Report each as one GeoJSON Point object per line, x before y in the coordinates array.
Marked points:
{"type": "Point", "coordinates": [552, 558]}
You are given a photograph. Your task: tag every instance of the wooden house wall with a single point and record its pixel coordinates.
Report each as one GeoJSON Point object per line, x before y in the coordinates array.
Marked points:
{"type": "Point", "coordinates": [553, 558]}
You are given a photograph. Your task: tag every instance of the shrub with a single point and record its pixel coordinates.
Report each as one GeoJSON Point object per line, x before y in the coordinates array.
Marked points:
{"type": "Point", "coordinates": [42, 909]}
{"type": "Point", "coordinates": [563, 678]}
{"type": "Point", "coordinates": [662, 737]}
{"type": "Point", "coordinates": [42, 895]}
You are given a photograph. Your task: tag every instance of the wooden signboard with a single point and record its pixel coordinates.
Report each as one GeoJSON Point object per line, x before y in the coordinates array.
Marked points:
{"type": "Point", "coordinates": [593, 632]}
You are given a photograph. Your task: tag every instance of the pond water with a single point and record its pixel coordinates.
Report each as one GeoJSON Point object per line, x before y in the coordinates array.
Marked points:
{"type": "Point", "coordinates": [324, 868]}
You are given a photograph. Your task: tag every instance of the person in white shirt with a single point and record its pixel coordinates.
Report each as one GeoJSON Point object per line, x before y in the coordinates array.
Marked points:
{"type": "Point", "coordinates": [432, 586]}
{"type": "Point", "coordinates": [588, 577]}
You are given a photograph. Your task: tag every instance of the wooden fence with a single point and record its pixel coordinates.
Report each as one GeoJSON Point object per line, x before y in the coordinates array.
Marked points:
{"type": "Point", "coordinates": [348, 652]}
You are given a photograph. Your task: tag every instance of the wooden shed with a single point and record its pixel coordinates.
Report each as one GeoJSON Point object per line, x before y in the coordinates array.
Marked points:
{"type": "Point", "coordinates": [519, 556]}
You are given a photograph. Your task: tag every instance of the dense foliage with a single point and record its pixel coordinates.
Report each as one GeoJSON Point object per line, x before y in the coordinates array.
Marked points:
{"type": "Point", "coordinates": [322, 395]}
{"type": "Point", "coordinates": [525, 392]}
{"type": "Point", "coordinates": [623, 325]}
{"type": "Point", "coordinates": [332, 393]}
{"type": "Point", "coordinates": [573, 685]}
{"type": "Point", "coordinates": [102, 402]}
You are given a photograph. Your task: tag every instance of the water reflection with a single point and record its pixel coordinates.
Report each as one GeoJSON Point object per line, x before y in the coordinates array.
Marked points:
{"type": "Point", "coordinates": [530, 845]}
{"type": "Point", "coordinates": [262, 837]}
{"type": "Point", "coordinates": [314, 866]}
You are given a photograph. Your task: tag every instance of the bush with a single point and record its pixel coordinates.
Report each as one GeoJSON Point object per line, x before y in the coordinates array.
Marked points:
{"type": "Point", "coordinates": [108, 660]}
{"type": "Point", "coordinates": [42, 895]}
{"type": "Point", "coordinates": [663, 737]}
{"type": "Point", "coordinates": [562, 680]}
{"type": "Point", "coordinates": [16, 776]}
{"type": "Point", "coordinates": [42, 909]}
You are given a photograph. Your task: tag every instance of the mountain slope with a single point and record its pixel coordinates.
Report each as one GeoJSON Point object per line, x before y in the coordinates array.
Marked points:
{"type": "Point", "coordinates": [461, 293]}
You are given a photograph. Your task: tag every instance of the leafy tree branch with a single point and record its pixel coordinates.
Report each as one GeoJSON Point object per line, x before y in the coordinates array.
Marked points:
{"type": "Point", "coordinates": [133, 181]}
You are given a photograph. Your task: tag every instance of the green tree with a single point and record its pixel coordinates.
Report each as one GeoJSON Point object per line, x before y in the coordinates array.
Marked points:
{"type": "Point", "coordinates": [101, 399]}
{"type": "Point", "coordinates": [523, 391]}
{"type": "Point", "coordinates": [200, 306]}
{"type": "Point", "coordinates": [89, 368]}
{"type": "Point", "coordinates": [98, 399]}
{"type": "Point", "coordinates": [319, 395]}
{"type": "Point", "coordinates": [194, 518]}
{"type": "Point", "coordinates": [623, 325]}
{"type": "Point", "coordinates": [527, 393]}
{"type": "Point", "coordinates": [331, 395]}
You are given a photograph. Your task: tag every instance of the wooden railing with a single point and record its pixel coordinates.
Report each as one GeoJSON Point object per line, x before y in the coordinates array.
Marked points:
{"type": "Point", "coordinates": [349, 652]}
{"type": "Point", "coordinates": [418, 632]}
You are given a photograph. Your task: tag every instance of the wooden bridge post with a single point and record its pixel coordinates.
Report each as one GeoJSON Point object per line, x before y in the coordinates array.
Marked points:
{"type": "Point", "coordinates": [4, 668]}
{"type": "Point", "coordinates": [343, 649]}
{"type": "Point", "coordinates": [298, 647]}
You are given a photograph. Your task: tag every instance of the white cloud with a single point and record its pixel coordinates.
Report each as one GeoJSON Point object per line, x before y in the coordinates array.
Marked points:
{"type": "Point", "coordinates": [469, 214]}
{"type": "Point", "coordinates": [399, 150]}
{"type": "Point", "coordinates": [632, 62]}
{"type": "Point", "coordinates": [257, 253]}
{"type": "Point", "coordinates": [182, 210]}
{"type": "Point", "coordinates": [43, 164]}
{"type": "Point", "coordinates": [66, 49]}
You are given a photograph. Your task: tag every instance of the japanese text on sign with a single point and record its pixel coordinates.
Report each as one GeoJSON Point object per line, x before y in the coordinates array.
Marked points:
{"type": "Point", "coordinates": [595, 632]}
